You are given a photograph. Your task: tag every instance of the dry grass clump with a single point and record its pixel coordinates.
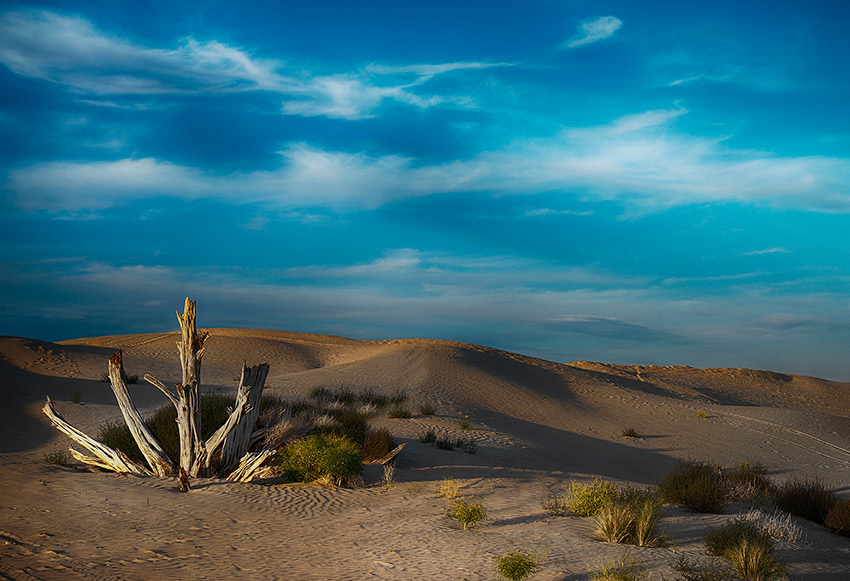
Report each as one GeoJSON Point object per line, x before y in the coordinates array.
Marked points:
{"type": "Point", "coordinates": [748, 481]}
{"type": "Point", "coordinates": [629, 432]}
{"type": "Point", "coordinates": [377, 444]}
{"type": "Point", "coordinates": [778, 525]}
{"type": "Point", "coordinates": [624, 569]}
{"type": "Point", "coordinates": [58, 458]}
{"type": "Point", "coordinates": [711, 569]}
{"type": "Point", "coordinates": [449, 487]}
{"type": "Point", "coordinates": [838, 518]}
{"type": "Point", "coordinates": [427, 409]}
{"type": "Point", "coordinates": [631, 520]}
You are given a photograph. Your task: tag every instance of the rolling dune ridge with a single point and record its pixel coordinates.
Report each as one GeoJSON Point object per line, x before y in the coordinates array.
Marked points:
{"type": "Point", "coordinates": [535, 423]}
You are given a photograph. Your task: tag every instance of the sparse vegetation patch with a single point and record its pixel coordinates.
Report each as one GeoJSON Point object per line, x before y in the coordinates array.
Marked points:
{"type": "Point", "coordinates": [516, 565]}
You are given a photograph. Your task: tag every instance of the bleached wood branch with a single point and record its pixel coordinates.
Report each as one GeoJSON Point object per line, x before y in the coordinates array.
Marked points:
{"type": "Point", "coordinates": [156, 457]}
{"type": "Point", "coordinates": [105, 457]}
{"type": "Point", "coordinates": [238, 440]}
{"type": "Point", "coordinates": [249, 465]}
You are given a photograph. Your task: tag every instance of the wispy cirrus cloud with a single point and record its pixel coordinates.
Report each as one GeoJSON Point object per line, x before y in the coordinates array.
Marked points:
{"type": "Point", "coordinates": [639, 160]}
{"type": "Point", "coordinates": [593, 31]}
{"type": "Point", "coordinates": [71, 51]}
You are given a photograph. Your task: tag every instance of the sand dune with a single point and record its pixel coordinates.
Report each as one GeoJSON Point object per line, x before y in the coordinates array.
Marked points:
{"type": "Point", "coordinates": [536, 424]}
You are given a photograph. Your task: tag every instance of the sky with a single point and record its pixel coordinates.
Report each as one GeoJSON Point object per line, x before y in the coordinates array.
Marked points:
{"type": "Point", "coordinates": [652, 182]}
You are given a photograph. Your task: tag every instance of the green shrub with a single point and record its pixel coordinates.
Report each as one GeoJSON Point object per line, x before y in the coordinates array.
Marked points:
{"type": "Point", "coordinates": [838, 518]}
{"type": "Point", "coordinates": [631, 521]}
{"type": "Point", "coordinates": [588, 499]}
{"type": "Point", "coordinates": [468, 514]}
{"type": "Point", "coordinates": [377, 444]}
{"type": "Point", "coordinates": [721, 541]}
{"type": "Point", "coordinates": [465, 425]}
{"type": "Point", "coordinates": [516, 565]}
{"type": "Point", "coordinates": [427, 409]}
{"type": "Point", "coordinates": [695, 486]}
{"type": "Point", "coordinates": [329, 456]}
{"type": "Point", "coordinates": [810, 499]}
{"type": "Point", "coordinates": [630, 433]}
{"type": "Point", "coordinates": [756, 562]}
{"type": "Point", "coordinates": [116, 435]}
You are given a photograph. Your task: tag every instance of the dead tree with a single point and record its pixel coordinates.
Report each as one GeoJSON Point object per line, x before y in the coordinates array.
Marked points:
{"type": "Point", "coordinates": [233, 438]}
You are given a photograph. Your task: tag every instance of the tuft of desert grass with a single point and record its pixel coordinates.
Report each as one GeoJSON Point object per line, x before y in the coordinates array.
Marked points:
{"type": "Point", "coordinates": [588, 499]}
{"type": "Point", "coordinates": [449, 487]}
{"type": "Point", "coordinates": [624, 569]}
{"type": "Point", "coordinates": [58, 458]}
{"type": "Point", "coordinates": [756, 562]}
{"type": "Point", "coordinates": [809, 499]}
{"type": "Point", "coordinates": [838, 518]}
{"type": "Point", "coordinates": [468, 514]}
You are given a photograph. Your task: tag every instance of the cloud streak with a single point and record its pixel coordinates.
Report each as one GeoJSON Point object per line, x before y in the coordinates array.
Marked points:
{"type": "Point", "coordinates": [71, 51]}
{"type": "Point", "coordinates": [594, 30]}
{"type": "Point", "coordinates": [638, 160]}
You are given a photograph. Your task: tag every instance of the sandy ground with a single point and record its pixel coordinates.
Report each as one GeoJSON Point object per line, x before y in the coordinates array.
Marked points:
{"type": "Point", "coordinates": [537, 424]}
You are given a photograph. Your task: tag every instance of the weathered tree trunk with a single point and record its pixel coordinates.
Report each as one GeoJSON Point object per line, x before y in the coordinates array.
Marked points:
{"type": "Point", "coordinates": [191, 349]}
{"type": "Point", "coordinates": [250, 390]}
{"type": "Point", "coordinates": [156, 457]}
{"type": "Point", "coordinates": [234, 437]}
{"type": "Point", "coordinates": [105, 457]}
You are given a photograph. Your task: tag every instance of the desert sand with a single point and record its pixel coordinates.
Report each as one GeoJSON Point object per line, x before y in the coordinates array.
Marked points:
{"type": "Point", "coordinates": [536, 423]}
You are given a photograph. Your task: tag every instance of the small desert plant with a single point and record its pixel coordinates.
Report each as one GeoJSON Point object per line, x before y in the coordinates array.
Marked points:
{"type": "Point", "coordinates": [810, 499]}
{"type": "Point", "coordinates": [702, 414]}
{"type": "Point", "coordinates": [348, 422]}
{"type": "Point", "coordinates": [749, 481]}
{"type": "Point", "coordinates": [399, 413]}
{"type": "Point", "coordinates": [588, 499]}
{"type": "Point", "coordinates": [377, 444]}
{"type": "Point", "coordinates": [398, 397]}
{"type": "Point", "coordinates": [427, 409]}
{"type": "Point", "coordinates": [75, 396]}
{"type": "Point", "coordinates": [626, 569]}
{"type": "Point", "coordinates": [778, 525]}
{"type": "Point", "coordinates": [556, 505]}
{"type": "Point", "coordinates": [721, 541]}
{"type": "Point", "coordinates": [630, 433]}
{"type": "Point", "coordinates": [630, 521]}
{"type": "Point", "coordinates": [838, 518]}
{"type": "Point", "coordinates": [516, 565]}
{"type": "Point", "coordinates": [756, 562]}
{"type": "Point", "coordinates": [468, 514]}
{"type": "Point", "coordinates": [466, 445]}
{"type": "Point", "coordinates": [445, 444]}
{"type": "Point", "coordinates": [330, 456]}
{"type": "Point", "coordinates": [429, 437]}
{"type": "Point", "coordinates": [695, 486]}
{"type": "Point", "coordinates": [58, 458]}
{"type": "Point", "coordinates": [389, 475]}
{"type": "Point", "coordinates": [702, 570]}
{"type": "Point", "coordinates": [465, 425]}
{"type": "Point", "coordinates": [449, 487]}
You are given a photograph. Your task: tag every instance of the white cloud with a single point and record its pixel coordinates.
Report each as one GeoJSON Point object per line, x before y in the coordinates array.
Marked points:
{"type": "Point", "coordinates": [70, 51]}
{"type": "Point", "coordinates": [639, 160]}
{"type": "Point", "coordinates": [594, 30]}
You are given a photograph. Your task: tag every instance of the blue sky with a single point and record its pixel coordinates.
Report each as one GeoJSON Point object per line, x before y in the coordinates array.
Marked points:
{"type": "Point", "coordinates": [629, 182]}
